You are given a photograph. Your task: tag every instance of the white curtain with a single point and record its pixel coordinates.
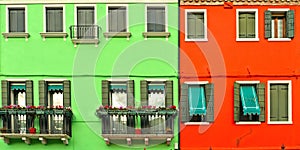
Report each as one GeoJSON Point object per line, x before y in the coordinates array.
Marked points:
{"type": "Point", "coordinates": [21, 99]}
{"type": "Point", "coordinates": [58, 99]}
{"type": "Point", "coordinates": [157, 99]}
{"type": "Point", "coordinates": [119, 99]}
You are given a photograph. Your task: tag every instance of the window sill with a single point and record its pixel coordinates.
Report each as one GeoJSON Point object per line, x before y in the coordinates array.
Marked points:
{"type": "Point", "coordinates": [15, 35]}
{"type": "Point", "coordinates": [196, 123]}
{"type": "Point", "coordinates": [248, 123]}
{"type": "Point", "coordinates": [247, 39]}
{"type": "Point", "coordinates": [53, 34]}
{"type": "Point", "coordinates": [117, 34]}
{"type": "Point", "coordinates": [85, 41]}
{"type": "Point", "coordinates": [280, 122]}
{"type": "Point", "coordinates": [156, 34]}
{"type": "Point", "coordinates": [279, 39]}
{"type": "Point", "coordinates": [196, 40]}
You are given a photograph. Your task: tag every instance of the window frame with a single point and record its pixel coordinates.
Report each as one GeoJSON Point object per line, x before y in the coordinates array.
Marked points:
{"type": "Point", "coordinates": [25, 17]}
{"type": "Point", "coordinates": [290, 106]}
{"type": "Point", "coordinates": [107, 16]}
{"type": "Point", "coordinates": [283, 10]}
{"type": "Point", "coordinates": [204, 11]}
{"type": "Point", "coordinates": [255, 11]}
{"type": "Point", "coordinates": [45, 18]}
{"type": "Point", "coordinates": [155, 6]}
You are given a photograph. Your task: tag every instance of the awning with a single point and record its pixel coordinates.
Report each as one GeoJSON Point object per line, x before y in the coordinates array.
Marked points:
{"type": "Point", "coordinates": [18, 87]}
{"type": "Point", "coordinates": [156, 87]}
{"type": "Point", "coordinates": [197, 101]}
{"type": "Point", "coordinates": [118, 87]}
{"type": "Point", "coordinates": [249, 100]}
{"type": "Point", "coordinates": [55, 87]}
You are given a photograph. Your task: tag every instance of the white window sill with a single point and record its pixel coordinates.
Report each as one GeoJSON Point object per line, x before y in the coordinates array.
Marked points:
{"type": "Point", "coordinates": [196, 123]}
{"type": "Point", "coordinates": [247, 39]}
{"type": "Point", "coordinates": [248, 123]}
{"type": "Point", "coordinates": [196, 40]}
{"type": "Point", "coordinates": [280, 122]}
{"type": "Point", "coordinates": [279, 39]}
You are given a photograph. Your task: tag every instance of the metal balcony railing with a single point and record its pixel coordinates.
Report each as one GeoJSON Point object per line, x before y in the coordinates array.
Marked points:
{"type": "Point", "coordinates": [84, 31]}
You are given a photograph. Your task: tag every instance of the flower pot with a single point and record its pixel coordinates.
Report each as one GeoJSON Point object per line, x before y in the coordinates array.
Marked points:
{"type": "Point", "coordinates": [32, 130]}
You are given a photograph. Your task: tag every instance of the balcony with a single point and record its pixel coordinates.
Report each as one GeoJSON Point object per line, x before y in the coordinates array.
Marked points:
{"type": "Point", "coordinates": [84, 34]}
{"type": "Point", "coordinates": [18, 123]}
{"type": "Point", "coordinates": [122, 124]}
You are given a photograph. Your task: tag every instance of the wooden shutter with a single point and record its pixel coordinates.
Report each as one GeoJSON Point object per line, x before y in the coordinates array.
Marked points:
{"type": "Point", "coordinates": [268, 22]}
{"type": "Point", "coordinates": [169, 93]}
{"type": "Point", "coordinates": [144, 93]}
{"type": "Point", "coordinates": [105, 93]}
{"type": "Point", "coordinates": [130, 93]}
{"type": "Point", "coordinates": [191, 25]}
{"type": "Point", "coordinates": [283, 102]}
{"type": "Point", "coordinates": [261, 100]}
{"type": "Point", "coordinates": [184, 103]}
{"type": "Point", "coordinates": [236, 102]}
{"type": "Point", "coordinates": [290, 15]}
{"type": "Point", "coordinates": [42, 93]}
{"type": "Point", "coordinates": [199, 25]}
{"type": "Point", "coordinates": [274, 101]}
{"type": "Point", "coordinates": [29, 92]}
{"type": "Point", "coordinates": [5, 93]}
{"type": "Point", "coordinates": [67, 93]}
{"type": "Point", "coordinates": [242, 25]}
{"type": "Point", "coordinates": [209, 94]}
{"type": "Point", "coordinates": [251, 25]}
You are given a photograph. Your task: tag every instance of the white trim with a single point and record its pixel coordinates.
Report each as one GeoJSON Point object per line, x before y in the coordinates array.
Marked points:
{"type": "Point", "coordinates": [247, 82]}
{"type": "Point", "coordinates": [7, 16]}
{"type": "Point", "coordinates": [278, 9]}
{"type": "Point", "coordinates": [12, 80]}
{"type": "Point", "coordinates": [248, 123]}
{"type": "Point", "coordinates": [159, 80]}
{"type": "Point", "coordinates": [279, 39]}
{"type": "Point", "coordinates": [64, 14]}
{"type": "Point", "coordinates": [55, 80]}
{"type": "Point", "coordinates": [255, 11]}
{"type": "Point", "coordinates": [166, 14]}
{"type": "Point", "coordinates": [85, 5]}
{"type": "Point", "coordinates": [196, 123]}
{"type": "Point", "coordinates": [290, 119]}
{"type": "Point", "coordinates": [117, 5]}
{"type": "Point", "coordinates": [83, 1]}
{"type": "Point", "coordinates": [196, 82]}
{"type": "Point", "coordinates": [117, 79]}
{"type": "Point", "coordinates": [204, 11]}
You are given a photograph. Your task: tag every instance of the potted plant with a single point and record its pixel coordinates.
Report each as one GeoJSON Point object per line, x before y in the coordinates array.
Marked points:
{"type": "Point", "coordinates": [32, 130]}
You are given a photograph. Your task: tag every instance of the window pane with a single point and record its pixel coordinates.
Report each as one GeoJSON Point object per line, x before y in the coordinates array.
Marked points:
{"type": "Point", "coordinates": [280, 28]}
{"type": "Point", "coordinates": [85, 16]}
{"type": "Point", "coordinates": [54, 19]}
{"type": "Point", "coordinates": [197, 102]}
{"type": "Point", "coordinates": [155, 19]}
{"type": "Point", "coordinates": [156, 95]}
{"type": "Point", "coordinates": [16, 19]}
{"type": "Point", "coordinates": [195, 25]}
{"type": "Point", "coordinates": [250, 25]}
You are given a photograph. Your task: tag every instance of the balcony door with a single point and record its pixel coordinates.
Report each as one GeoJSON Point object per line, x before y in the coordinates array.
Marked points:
{"type": "Point", "coordinates": [85, 22]}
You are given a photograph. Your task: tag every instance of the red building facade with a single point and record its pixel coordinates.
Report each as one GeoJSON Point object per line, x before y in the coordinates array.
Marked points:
{"type": "Point", "coordinates": [239, 72]}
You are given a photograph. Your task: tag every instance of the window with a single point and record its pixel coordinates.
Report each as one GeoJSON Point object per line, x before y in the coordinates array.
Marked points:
{"type": "Point", "coordinates": [249, 102]}
{"type": "Point", "coordinates": [195, 25]}
{"type": "Point", "coordinates": [279, 23]}
{"type": "Point", "coordinates": [16, 17]}
{"type": "Point", "coordinates": [86, 28]}
{"type": "Point", "coordinates": [156, 19]}
{"type": "Point", "coordinates": [117, 19]}
{"type": "Point", "coordinates": [247, 24]}
{"type": "Point", "coordinates": [197, 102]}
{"type": "Point", "coordinates": [279, 102]}
{"type": "Point", "coordinates": [54, 19]}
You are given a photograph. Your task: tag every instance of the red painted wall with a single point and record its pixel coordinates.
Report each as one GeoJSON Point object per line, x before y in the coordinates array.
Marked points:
{"type": "Point", "coordinates": [223, 60]}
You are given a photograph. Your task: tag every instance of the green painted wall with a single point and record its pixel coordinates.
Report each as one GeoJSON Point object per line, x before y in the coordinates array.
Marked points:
{"type": "Point", "coordinates": [135, 58]}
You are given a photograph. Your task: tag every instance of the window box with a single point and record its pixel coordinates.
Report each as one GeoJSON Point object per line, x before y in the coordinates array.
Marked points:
{"type": "Point", "coordinates": [58, 111]}
{"type": "Point", "coordinates": [12, 112]}
{"type": "Point", "coordinates": [40, 112]}
{"type": "Point", "coordinates": [31, 112]}
{"type": "Point", "coordinates": [3, 112]}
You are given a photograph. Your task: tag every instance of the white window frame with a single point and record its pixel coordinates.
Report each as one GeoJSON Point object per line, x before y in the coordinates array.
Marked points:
{"type": "Point", "coordinates": [166, 15]}
{"type": "Point", "coordinates": [7, 16]}
{"type": "Point", "coordinates": [255, 11]}
{"type": "Point", "coordinates": [248, 122]}
{"type": "Point", "coordinates": [289, 82]}
{"type": "Point", "coordinates": [117, 5]}
{"type": "Point", "coordinates": [279, 10]}
{"type": "Point", "coordinates": [54, 6]}
{"type": "Point", "coordinates": [204, 11]}
{"type": "Point", "coordinates": [85, 5]}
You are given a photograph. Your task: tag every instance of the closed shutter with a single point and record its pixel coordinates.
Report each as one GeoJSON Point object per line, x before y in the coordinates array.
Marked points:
{"type": "Point", "coordinates": [29, 92]}
{"type": "Point", "coordinates": [191, 25]}
{"type": "Point", "coordinates": [54, 19]}
{"type": "Point", "coordinates": [236, 102]}
{"type": "Point", "coordinates": [184, 105]}
{"type": "Point", "coordinates": [283, 102]}
{"type": "Point", "coordinates": [250, 25]}
{"type": "Point", "coordinates": [199, 25]}
{"type": "Point", "coordinates": [169, 93]}
{"type": "Point", "coordinates": [5, 93]}
{"type": "Point", "coordinates": [130, 93]}
{"type": "Point", "coordinates": [242, 25]}
{"type": "Point", "coordinates": [67, 93]}
{"type": "Point", "coordinates": [42, 93]}
{"type": "Point", "coordinates": [274, 101]}
{"type": "Point", "coordinates": [261, 100]}
{"type": "Point", "coordinates": [144, 93]}
{"type": "Point", "coordinates": [209, 94]}
{"type": "Point", "coordinates": [17, 20]}
{"type": "Point", "coordinates": [290, 23]}
{"type": "Point", "coordinates": [268, 22]}
{"type": "Point", "coordinates": [105, 93]}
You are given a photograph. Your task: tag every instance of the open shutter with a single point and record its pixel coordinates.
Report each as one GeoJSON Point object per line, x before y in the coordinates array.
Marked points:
{"type": "Point", "coordinates": [67, 93]}
{"type": "Point", "coordinates": [105, 93]}
{"type": "Point", "coordinates": [184, 104]}
{"type": "Point", "coordinates": [209, 94]}
{"type": "Point", "coordinates": [261, 100]}
{"type": "Point", "coordinates": [5, 93]}
{"type": "Point", "coordinates": [130, 93]}
{"type": "Point", "coordinates": [144, 93]}
{"type": "Point", "coordinates": [42, 93]}
{"type": "Point", "coordinates": [236, 102]}
{"type": "Point", "coordinates": [169, 93]}
{"type": "Point", "coordinates": [29, 92]}
{"type": "Point", "coordinates": [250, 25]}
{"type": "Point", "coordinates": [290, 23]}
{"type": "Point", "coordinates": [242, 25]}
{"type": "Point", "coordinates": [268, 22]}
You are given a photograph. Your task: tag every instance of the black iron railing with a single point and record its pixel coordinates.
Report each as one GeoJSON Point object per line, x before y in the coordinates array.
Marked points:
{"type": "Point", "coordinates": [84, 31]}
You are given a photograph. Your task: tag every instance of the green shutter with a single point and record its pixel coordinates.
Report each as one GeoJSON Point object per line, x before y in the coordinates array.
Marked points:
{"type": "Point", "coordinates": [5, 92]}
{"type": "Point", "coordinates": [283, 102]}
{"type": "Point", "coordinates": [209, 94]}
{"type": "Point", "coordinates": [261, 100]}
{"type": "Point", "coordinates": [169, 93]}
{"type": "Point", "coordinates": [130, 93]}
{"type": "Point", "coordinates": [274, 101]}
{"type": "Point", "coordinates": [242, 25]}
{"type": "Point", "coordinates": [236, 102]}
{"type": "Point", "coordinates": [144, 92]}
{"type": "Point", "coordinates": [105, 93]}
{"type": "Point", "coordinates": [290, 23]}
{"type": "Point", "coordinates": [42, 93]}
{"type": "Point", "coordinates": [67, 93]}
{"type": "Point", "coordinates": [268, 22]}
{"type": "Point", "coordinates": [29, 92]}
{"type": "Point", "coordinates": [251, 25]}
{"type": "Point", "coordinates": [184, 104]}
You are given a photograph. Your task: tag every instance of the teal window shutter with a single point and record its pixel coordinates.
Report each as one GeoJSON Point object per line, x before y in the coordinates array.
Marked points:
{"type": "Point", "coordinates": [261, 100]}
{"type": "Point", "coordinates": [184, 104]}
{"type": "Point", "coordinates": [236, 102]}
{"type": "Point", "coordinates": [105, 93]}
{"type": "Point", "coordinates": [144, 92]}
{"type": "Point", "coordinates": [29, 92]}
{"type": "Point", "coordinates": [290, 16]}
{"type": "Point", "coordinates": [209, 94]}
{"type": "Point", "coordinates": [268, 22]}
{"type": "Point", "coordinates": [130, 92]}
{"type": "Point", "coordinates": [42, 93]}
{"type": "Point", "coordinates": [249, 100]}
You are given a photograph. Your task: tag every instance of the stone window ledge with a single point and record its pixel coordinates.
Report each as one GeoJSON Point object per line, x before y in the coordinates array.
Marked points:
{"type": "Point", "coordinates": [53, 34]}
{"type": "Point", "coordinates": [85, 41]}
{"type": "Point", "coordinates": [15, 35]}
{"type": "Point", "coordinates": [117, 34]}
{"type": "Point", "coordinates": [156, 34]}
